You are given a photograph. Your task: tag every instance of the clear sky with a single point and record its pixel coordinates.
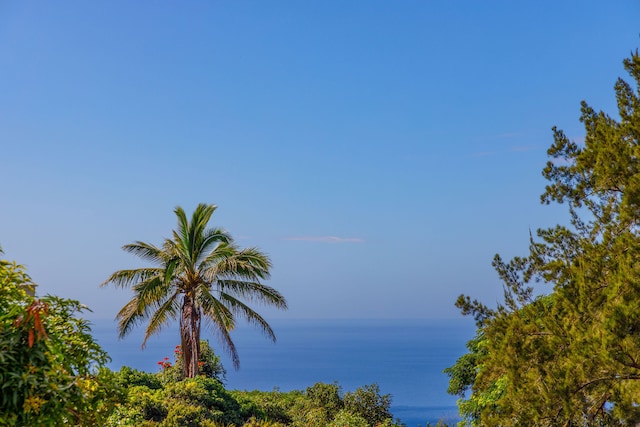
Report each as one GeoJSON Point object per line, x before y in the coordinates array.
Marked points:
{"type": "Point", "coordinates": [381, 152]}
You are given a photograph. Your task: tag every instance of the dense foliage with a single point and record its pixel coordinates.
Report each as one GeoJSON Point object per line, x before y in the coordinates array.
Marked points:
{"type": "Point", "coordinates": [200, 274]}
{"type": "Point", "coordinates": [572, 357]}
{"type": "Point", "coordinates": [52, 373]}
{"type": "Point", "coordinates": [51, 369]}
{"type": "Point", "coordinates": [209, 365]}
{"type": "Point", "coordinates": [159, 400]}
{"type": "Point", "coordinates": [152, 400]}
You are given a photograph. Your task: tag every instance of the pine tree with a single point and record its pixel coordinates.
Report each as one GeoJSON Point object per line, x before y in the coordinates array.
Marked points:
{"type": "Point", "coordinates": [571, 357]}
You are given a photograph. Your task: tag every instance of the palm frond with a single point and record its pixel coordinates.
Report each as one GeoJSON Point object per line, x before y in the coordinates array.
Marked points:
{"type": "Point", "coordinates": [153, 291]}
{"type": "Point", "coordinates": [173, 249]}
{"type": "Point", "coordinates": [238, 307]}
{"type": "Point", "coordinates": [181, 234]}
{"type": "Point", "coordinates": [199, 220]}
{"type": "Point", "coordinates": [252, 263]}
{"type": "Point", "coordinates": [221, 320]}
{"type": "Point", "coordinates": [217, 256]}
{"type": "Point", "coordinates": [126, 278]}
{"type": "Point", "coordinates": [161, 316]}
{"type": "Point", "coordinates": [146, 251]}
{"type": "Point", "coordinates": [211, 239]}
{"type": "Point", "coordinates": [170, 270]}
{"type": "Point", "coordinates": [129, 316]}
{"type": "Point", "coordinates": [217, 235]}
{"type": "Point", "coordinates": [191, 232]}
{"type": "Point", "coordinates": [178, 251]}
{"type": "Point", "coordinates": [227, 261]}
{"type": "Point", "coordinates": [207, 301]}
{"type": "Point", "coordinates": [253, 291]}
{"type": "Point", "coordinates": [149, 295]}
{"type": "Point", "coordinates": [224, 338]}
{"type": "Point", "coordinates": [183, 222]}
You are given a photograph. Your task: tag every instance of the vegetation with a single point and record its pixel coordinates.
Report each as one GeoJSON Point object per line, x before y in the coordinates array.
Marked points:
{"type": "Point", "coordinates": [200, 274]}
{"type": "Point", "coordinates": [159, 400]}
{"type": "Point", "coordinates": [51, 369]}
{"type": "Point", "coordinates": [204, 402]}
{"type": "Point", "coordinates": [567, 358]}
{"type": "Point", "coordinates": [53, 373]}
{"type": "Point", "coordinates": [209, 365]}
{"type": "Point", "coordinates": [572, 357]}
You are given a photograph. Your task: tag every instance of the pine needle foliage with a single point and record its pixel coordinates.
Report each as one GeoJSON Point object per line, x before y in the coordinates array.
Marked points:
{"type": "Point", "coordinates": [572, 356]}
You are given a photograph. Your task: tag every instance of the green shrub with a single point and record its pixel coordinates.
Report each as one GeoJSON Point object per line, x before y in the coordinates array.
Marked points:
{"type": "Point", "coordinates": [52, 371]}
{"type": "Point", "coordinates": [253, 422]}
{"type": "Point", "coordinates": [274, 406]}
{"type": "Point", "coordinates": [149, 404]}
{"type": "Point", "coordinates": [369, 404]}
{"type": "Point", "coordinates": [204, 402]}
{"type": "Point", "coordinates": [186, 415]}
{"type": "Point", "coordinates": [345, 418]}
{"type": "Point", "coordinates": [209, 365]}
{"type": "Point", "coordinates": [326, 396]}
{"type": "Point", "coordinates": [208, 394]}
{"type": "Point", "coordinates": [127, 377]}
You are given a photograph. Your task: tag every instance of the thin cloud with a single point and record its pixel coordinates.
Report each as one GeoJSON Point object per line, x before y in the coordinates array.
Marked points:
{"type": "Point", "coordinates": [326, 239]}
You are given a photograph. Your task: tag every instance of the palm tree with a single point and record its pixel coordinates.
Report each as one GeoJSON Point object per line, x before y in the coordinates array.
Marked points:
{"type": "Point", "coordinates": [199, 273]}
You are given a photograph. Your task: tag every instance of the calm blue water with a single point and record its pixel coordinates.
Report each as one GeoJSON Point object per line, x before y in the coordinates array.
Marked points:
{"type": "Point", "coordinates": [404, 357]}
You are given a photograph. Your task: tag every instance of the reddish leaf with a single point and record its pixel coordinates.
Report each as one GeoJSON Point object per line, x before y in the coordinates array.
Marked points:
{"type": "Point", "coordinates": [31, 338]}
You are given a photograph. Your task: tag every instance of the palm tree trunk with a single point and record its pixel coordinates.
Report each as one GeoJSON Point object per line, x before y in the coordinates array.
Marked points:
{"type": "Point", "coordinates": [190, 337]}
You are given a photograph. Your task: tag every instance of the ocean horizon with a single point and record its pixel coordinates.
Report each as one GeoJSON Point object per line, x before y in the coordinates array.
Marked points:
{"type": "Point", "coordinates": [404, 357]}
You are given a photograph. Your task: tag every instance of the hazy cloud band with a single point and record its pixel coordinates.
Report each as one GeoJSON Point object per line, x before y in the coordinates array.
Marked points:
{"type": "Point", "coordinates": [326, 239]}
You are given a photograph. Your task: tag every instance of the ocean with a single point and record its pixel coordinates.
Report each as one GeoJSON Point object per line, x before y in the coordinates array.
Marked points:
{"type": "Point", "coordinates": [404, 357]}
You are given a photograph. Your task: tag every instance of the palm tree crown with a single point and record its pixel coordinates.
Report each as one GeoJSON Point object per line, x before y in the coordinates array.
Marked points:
{"type": "Point", "coordinates": [199, 273]}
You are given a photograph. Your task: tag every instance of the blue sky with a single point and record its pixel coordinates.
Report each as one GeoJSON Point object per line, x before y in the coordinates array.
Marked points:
{"type": "Point", "coordinates": [381, 152]}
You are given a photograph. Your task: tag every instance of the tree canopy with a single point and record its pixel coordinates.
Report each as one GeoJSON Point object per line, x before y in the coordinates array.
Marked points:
{"type": "Point", "coordinates": [52, 372]}
{"type": "Point", "coordinates": [199, 274]}
{"type": "Point", "coordinates": [570, 357]}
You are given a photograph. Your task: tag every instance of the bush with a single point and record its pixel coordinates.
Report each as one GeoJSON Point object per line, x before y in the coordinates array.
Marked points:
{"type": "Point", "coordinates": [151, 404]}
{"type": "Point", "coordinates": [274, 406]}
{"type": "Point", "coordinates": [186, 415]}
{"type": "Point", "coordinates": [253, 422]}
{"type": "Point", "coordinates": [369, 404]}
{"type": "Point", "coordinates": [209, 365]}
{"type": "Point", "coordinates": [191, 402]}
{"type": "Point", "coordinates": [52, 372]}
{"type": "Point", "coordinates": [128, 377]}
{"type": "Point", "coordinates": [204, 402]}
{"type": "Point", "coordinates": [345, 418]}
